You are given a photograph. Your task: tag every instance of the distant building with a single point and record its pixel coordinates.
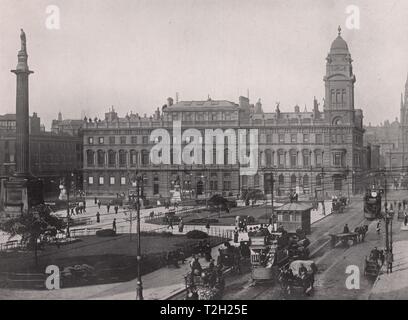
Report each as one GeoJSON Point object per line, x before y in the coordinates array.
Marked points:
{"type": "Point", "coordinates": [68, 126]}
{"type": "Point", "coordinates": [51, 155]}
{"type": "Point", "coordinates": [317, 152]}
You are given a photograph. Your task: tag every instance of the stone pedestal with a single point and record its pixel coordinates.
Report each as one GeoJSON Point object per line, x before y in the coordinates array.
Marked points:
{"type": "Point", "coordinates": [21, 194]}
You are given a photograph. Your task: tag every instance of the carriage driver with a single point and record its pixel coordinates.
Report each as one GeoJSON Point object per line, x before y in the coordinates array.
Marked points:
{"type": "Point", "coordinates": [302, 271]}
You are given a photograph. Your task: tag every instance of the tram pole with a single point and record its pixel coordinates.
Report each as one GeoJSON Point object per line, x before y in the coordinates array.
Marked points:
{"type": "Point", "coordinates": [272, 208]}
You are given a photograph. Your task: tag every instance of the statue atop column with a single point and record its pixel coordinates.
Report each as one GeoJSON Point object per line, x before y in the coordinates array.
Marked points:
{"type": "Point", "coordinates": [23, 41]}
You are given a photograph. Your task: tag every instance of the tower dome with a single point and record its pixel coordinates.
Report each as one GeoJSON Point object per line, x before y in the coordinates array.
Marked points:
{"type": "Point", "coordinates": [339, 45]}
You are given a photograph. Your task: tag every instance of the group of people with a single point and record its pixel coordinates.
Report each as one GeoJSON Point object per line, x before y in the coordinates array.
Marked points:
{"type": "Point", "coordinates": [80, 208]}
{"type": "Point", "coordinates": [381, 256]}
{"type": "Point", "coordinates": [173, 257]}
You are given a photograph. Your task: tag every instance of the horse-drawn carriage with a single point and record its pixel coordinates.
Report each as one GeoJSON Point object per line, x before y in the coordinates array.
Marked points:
{"type": "Point", "coordinates": [338, 204]}
{"type": "Point", "coordinates": [298, 274]}
{"type": "Point", "coordinates": [229, 257]}
{"type": "Point", "coordinates": [374, 262]}
{"type": "Point", "coordinates": [207, 284]}
{"type": "Point", "coordinates": [344, 238]}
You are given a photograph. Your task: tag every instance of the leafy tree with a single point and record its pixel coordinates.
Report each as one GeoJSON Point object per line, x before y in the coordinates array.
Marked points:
{"type": "Point", "coordinates": [33, 225]}
{"type": "Point", "coordinates": [218, 202]}
{"type": "Point", "coordinates": [252, 195]}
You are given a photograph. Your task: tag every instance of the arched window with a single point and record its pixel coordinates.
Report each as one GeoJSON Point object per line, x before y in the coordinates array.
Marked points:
{"type": "Point", "coordinates": [90, 157]}
{"type": "Point", "coordinates": [122, 158]}
{"type": "Point", "coordinates": [101, 158]}
{"type": "Point", "coordinates": [111, 158]}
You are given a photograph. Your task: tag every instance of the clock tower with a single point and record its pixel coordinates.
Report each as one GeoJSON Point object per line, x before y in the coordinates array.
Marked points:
{"type": "Point", "coordinates": [339, 84]}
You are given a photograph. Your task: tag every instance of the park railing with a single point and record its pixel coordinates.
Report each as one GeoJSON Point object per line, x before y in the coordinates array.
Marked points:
{"type": "Point", "coordinates": [12, 245]}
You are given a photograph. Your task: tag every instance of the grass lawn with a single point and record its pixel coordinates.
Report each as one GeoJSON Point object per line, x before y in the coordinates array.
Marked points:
{"type": "Point", "coordinates": [113, 258]}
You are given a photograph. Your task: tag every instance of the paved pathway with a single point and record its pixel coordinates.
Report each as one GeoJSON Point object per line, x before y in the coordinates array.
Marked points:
{"type": "Point", "coordinates": [394, 286]}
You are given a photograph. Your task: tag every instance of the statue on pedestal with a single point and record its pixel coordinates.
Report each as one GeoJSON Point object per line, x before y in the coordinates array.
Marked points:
{"type": "Point", "coordinates": [23, 41]}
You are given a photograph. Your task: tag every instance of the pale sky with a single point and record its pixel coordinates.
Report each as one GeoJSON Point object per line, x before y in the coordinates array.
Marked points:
{"type": "Point", "coordinates": [133, 54]}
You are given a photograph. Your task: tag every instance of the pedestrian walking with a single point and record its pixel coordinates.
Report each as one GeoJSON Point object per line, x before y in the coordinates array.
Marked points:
{"type": "Point", "coordinates": [98, 217]}
{"type": "Point", "coordinates": [236, 235]}
{"type": "Point", "coordinates": [378, 227]}
{"type": "Point", "coordinates": [99, 203]}
{"type": "Point", "coordinates": [108, 207]}
{"type": "Point", "coordinates": [170, 223]}
{"type": "Point", "coordinates": [181, 225]}
{"type": "Point", "coordinates": [405, 218]}
{"type": "Point", "coordinates": [346, 229]}
{"type": "Point", "coordinates": [389, 258]}
{"type": "Point", "coordinates": [114, 225]}
{"type": "Point", "coordinates": [207, 226]}
{"type": "Point", "coordinates": [96, 200]}
{"type": "Point", "coordinates": [116, 208]}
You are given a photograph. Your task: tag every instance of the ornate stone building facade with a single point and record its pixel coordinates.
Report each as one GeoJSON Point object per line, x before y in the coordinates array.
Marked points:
{"type": "Point", "coordinates": [317, 152]}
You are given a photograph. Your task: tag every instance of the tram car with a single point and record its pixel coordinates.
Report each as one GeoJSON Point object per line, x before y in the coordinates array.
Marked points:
{"type": "Point", "coordinates": [372, 203]}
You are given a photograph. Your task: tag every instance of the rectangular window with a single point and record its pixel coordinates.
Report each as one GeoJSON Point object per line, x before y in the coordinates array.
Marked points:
{"type": "Point", "coordinates": [101, 181]}
{"type": "Point", "coordinates": [319, 138]}
{"type": "Point", "coordinates": [305, 137]}
{"type": "Point", "coordinates": [134, 140]}
{"type": "Point", "coordinates": [90, 140]}
{"type": "Point", "coordinates": [337, 159]}
{"type": "Point", "coordinates": [281, 160]}
{"type": "Point", "coordinates": [293, 138]}
{"type": "Point", "coordinates": [112, 181]}
{"type": "Point", "coordinates": [90, 180]}
{"type": "Point", "coordinates": [122, 181]}
{"type": "Point", "coordinates": [281, 138]}
{"type": "Point", "coordinates": [145, 140]}
{"type": "Point", "coordinates": [122, 140]}
{"type": "Point", "coordinates": [111, 140]}
{"type": "Point", "coordinates": [306, 159]}
{"type": "Point", "coordinates": [319, 160]}
{"type": "Point", "coordinates": [101, 140]}
{"type": "Point", "coordinates": [269, 138]}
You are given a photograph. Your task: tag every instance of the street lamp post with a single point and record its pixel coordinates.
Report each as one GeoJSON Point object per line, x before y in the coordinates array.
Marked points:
{"type": "Point", "coordinates": [138, 182]}
{"type": "Point", "coordinates": [139, 285]}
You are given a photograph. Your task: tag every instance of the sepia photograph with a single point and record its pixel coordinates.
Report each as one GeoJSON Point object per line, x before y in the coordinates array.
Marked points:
{"type": "Point", "coordinates": [216, 150]}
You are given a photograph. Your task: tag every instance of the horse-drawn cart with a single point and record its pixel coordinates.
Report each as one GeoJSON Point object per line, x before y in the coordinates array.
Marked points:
{"type": "Point", "coordinates": [298, 274]}
{"type": "Point", "coordinates": [229, 257]}
{"type": "Point", "coordinates": [344, 238]}
{"type": "Point", "coordinates": [207, 285]}
{"type": "Point", "coordinates": [373, 264]}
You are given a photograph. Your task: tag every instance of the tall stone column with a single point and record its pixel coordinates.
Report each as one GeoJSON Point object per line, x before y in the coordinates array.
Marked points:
{"type": "Point", "coordinates": [22, 191]}
{"type": "Point", "coordinates": [22, 72]}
